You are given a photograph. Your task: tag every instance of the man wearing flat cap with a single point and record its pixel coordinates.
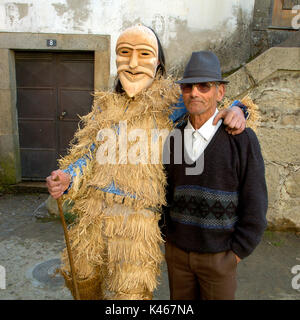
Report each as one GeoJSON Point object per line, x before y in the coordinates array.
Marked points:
{"type": "Point", "coordinates": [215, 216]}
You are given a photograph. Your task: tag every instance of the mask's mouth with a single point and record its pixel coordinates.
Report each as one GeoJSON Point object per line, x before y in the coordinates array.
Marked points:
{"type": "Point", "coordinates": [134, 76]}
{"type": "Point", "coordinates": [134, 73]}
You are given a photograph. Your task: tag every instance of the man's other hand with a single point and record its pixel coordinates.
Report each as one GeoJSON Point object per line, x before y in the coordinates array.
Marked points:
{"type": "Point", "coordinates": [234, 119]}
{"type": "Point", "coordinates": [57, 183]}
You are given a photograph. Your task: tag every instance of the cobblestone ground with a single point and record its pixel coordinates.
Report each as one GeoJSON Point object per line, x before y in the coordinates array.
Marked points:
{"type": "Point", "coordinates": [30, 248]}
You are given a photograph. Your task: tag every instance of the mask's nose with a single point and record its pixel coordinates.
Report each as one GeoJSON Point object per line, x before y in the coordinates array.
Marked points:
{"type": "Point", "coordinates": [133, 63]}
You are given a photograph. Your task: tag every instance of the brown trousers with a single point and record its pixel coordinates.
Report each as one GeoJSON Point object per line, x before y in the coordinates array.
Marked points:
{"type": "Point", "coordinates": [201, 276]}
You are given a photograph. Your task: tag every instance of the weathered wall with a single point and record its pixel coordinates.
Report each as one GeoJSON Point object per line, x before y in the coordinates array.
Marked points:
{"type": "Point", "coordinates": [273, 82]}
{"type": "Point", "coordinates": [182, 25]}
{"type": "Point", "coordinates": [279, 99]}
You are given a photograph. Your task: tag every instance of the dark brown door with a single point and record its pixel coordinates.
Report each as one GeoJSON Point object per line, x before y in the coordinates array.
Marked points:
{"type": "Point", "coordinates": [52, 90]}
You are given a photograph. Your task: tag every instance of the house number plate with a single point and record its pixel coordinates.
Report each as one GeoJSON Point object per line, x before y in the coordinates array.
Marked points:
{"type": "Point", "coordinates": [51, 43]}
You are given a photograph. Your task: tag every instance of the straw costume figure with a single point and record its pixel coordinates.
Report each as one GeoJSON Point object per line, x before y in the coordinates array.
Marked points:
{"type": "Point", "coordinates": [117, 181]}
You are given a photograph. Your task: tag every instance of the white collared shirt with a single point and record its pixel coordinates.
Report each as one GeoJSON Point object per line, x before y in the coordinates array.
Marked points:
{"type": "Point", "coordinates": [195, 141]}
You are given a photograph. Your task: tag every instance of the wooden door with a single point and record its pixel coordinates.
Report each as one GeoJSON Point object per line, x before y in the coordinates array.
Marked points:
{"type": "Point", "coordinates": [52, 90]}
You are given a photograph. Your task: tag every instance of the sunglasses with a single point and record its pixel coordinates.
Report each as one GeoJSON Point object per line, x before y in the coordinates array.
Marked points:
{"type": "Point", "coordinates": [202, 87]}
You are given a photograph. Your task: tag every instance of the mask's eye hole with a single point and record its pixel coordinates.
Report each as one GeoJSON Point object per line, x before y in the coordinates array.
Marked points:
{"type": "Point", "coordinates": [146, 54]}
{"type": "Point", "coordinates": [124, 52]}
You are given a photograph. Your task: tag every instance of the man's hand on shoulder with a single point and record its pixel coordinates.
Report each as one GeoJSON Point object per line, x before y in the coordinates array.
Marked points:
{"type": "Point", "coordinates": [234, 119]}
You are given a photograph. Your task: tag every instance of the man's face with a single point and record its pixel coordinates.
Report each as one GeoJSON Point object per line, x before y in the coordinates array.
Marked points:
{"type": "Point", "coordinates": [137, 59]}
{"type": "Point", "coordinates": [202, 98]}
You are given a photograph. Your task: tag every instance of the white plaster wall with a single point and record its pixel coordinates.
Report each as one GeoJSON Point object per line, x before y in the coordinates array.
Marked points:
{"type": "Point", "coordinates": [212, 19]}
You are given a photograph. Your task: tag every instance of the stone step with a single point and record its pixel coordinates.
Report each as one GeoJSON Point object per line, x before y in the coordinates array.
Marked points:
{"type": "Point", "coordinates": [29, 187]}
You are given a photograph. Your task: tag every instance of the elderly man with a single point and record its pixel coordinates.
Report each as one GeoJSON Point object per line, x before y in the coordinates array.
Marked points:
{"type": "Point", "coordinates": [216, 216]}
{"type": "Point", "coordinates": [115, 240]}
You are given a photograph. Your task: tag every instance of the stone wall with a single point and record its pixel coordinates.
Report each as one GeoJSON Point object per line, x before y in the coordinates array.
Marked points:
{"type": "Point", "coordinates": [273, 82]}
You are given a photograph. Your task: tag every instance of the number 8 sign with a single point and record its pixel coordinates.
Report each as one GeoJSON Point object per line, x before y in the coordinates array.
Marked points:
{"type": "Point", "coordinates": [51, 43]}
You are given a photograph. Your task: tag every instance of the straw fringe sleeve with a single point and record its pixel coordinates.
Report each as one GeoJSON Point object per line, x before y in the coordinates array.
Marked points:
{"type": "Point", "coordinates": [253, 109]}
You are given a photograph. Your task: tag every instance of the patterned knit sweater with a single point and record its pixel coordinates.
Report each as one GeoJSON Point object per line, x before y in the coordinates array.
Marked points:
{"type": "Point", "coordinates": [225, 206]}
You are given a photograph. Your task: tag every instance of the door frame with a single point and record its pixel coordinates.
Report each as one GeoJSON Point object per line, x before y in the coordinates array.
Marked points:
{"type": "Point", "coordinates": [10, 163]}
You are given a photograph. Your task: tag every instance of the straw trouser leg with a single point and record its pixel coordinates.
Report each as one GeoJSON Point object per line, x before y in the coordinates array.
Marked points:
{"type": "Point", "coordinates": [133, 253]}
{"type": "Point", "coordinates": [87, 251]}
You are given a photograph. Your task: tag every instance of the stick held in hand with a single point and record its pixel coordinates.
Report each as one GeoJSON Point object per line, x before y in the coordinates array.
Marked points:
{"type": "Point", "coordinates": [75, 287]}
